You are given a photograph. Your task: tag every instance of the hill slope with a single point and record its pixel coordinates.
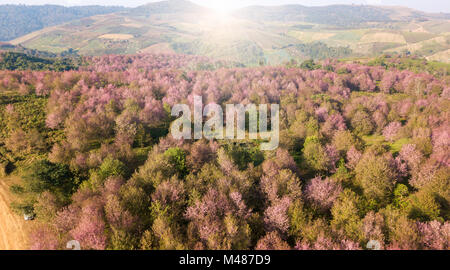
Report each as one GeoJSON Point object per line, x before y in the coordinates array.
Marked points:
{"type": "Point", "coordinates": [18, 20]}
{"type": "Point", "coordinates": [346, 16]}
{"type": "Point", "coordinates": [252, 35]}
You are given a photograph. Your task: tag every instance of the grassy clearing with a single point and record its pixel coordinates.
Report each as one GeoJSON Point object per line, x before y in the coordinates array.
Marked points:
{"type": "Point", "coordinates": [383, 37]}
{"type": "Point", "coordinates": [443, 56]}
{"type": "Point", "coordinates": [397, 145]}
{"type": "Point", "coordinates": [414, 37]}
{"type": "Point", "coordinates": [377, 139]}
{"type": "Point", "coordinates": [116, 36]}
{"type": "Point", "coordinates": [373, 140]}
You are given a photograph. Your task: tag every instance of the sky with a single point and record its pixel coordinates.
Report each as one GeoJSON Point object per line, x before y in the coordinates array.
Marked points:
{"type": "Point", "coordinates": [424, 5]}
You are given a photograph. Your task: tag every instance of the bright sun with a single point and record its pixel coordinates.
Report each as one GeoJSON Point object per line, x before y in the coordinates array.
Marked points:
{"type": "Point", "coordinates": [221, 6]}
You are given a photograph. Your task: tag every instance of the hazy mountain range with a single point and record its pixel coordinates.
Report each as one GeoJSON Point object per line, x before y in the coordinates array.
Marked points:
{"type": "Point", "coordinates": [250, 35]}
{"type": "Point", "coordinates": [18, 20]}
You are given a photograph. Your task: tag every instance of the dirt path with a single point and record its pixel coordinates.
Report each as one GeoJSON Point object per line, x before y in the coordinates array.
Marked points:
{"type": "Point", "coordinates": [13, 234]}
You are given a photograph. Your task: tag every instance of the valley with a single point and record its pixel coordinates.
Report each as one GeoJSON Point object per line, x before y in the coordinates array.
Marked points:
{"type": "Point", "coordinates": [253, 35]}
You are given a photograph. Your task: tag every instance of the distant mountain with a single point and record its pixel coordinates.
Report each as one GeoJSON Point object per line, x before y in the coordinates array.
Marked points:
{"type": "Point", "coordinates": [18, 20]}
{"type": "Point", "coordinates": [338, 15]}
{"type": "Point", "coordinates": [346, 16]}
{"type": "Point", "coordinates": [251, 35]}
{"type": "Point", "coordinates": [168, 7]}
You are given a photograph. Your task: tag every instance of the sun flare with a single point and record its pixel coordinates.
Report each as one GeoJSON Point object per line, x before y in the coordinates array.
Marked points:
{"type": "Point", "coordinates": [221, 7]}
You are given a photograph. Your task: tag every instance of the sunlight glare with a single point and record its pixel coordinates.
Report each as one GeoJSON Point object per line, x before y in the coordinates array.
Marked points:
{"type": "Point", "coordinates": [222, 7]}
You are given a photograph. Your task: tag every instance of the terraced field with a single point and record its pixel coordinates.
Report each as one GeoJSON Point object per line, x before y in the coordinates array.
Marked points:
{"type": "Point", "coordinates": [190, 29]}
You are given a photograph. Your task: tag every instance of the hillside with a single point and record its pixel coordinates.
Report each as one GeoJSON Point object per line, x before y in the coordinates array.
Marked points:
{"type": "Point", "coordinates": [22, 61]}
{"type": "Point", "coordinates": [345, 16]}
{"type": "Point", "coordinates": [252, 35]}
{"type": "Point", "coordinates": [8, 47]}
{"type": "Point", "coordinates": [17, 57]}
{"type": "Point", "coordinates": [19, 20]}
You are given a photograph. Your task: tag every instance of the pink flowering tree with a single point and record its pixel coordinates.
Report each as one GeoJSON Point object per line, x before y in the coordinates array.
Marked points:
{"type": "Point", "coordinates": [322, 193]}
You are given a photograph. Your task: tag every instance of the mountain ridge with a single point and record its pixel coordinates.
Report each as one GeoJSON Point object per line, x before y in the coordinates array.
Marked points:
{"type": "Point", "coordinates": [19, 20]}
{"type": "Point", "coordinates": [251, 35]}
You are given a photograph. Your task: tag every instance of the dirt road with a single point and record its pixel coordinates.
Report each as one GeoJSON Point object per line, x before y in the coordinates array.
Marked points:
{"type": "Point", "coordinates": [13, 235]}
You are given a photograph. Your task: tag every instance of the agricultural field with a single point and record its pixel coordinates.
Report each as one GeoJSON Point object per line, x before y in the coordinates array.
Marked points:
{"type": "Point", "coordinates": [241, 37]}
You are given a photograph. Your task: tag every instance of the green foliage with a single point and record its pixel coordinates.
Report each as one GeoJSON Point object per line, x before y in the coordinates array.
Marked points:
{"type": "Point", "coordinates": [362, 123]}
{"type": "Point", "coordinates": [177, 157]}
{"type": "Point", "coordinates": [29, 113]}
{"type": "Point", "coordinates": [423, 206]}
{"type": "Point", "coordinates": [346, 214]}
{"type": "Point", "coordinates": [314, 154]}
{"type": "Point", "coordinates": [342, 173]}
{"type": "Point", "coordinates": [164, 228]}
{"type": "Point", "coordinates": [16, 189]}
{"type": "Point", "coordinates": [400, 229]}
{"type": "Point", "coordinates": [320, 50]}
{"type": "Point", "coordinates": [342, 71]}
{"type": "Point", "coordinates": [291, 64]}
{"type": "Point", "coordinates": [309, 65]}
{"type": "Point", "coordinates": [43, 176]}
{"type": "Point", "coordinates": [417, 65]}
{"type": "Point", "coordinates": [112, 167]}
{"type": "Point", "coordinates": [245, 154]}
{"type": "Point", "coordinates": [397, 145]}
{"type": "Point", "coordinates": [424, 145]}
{"type": "Point", "coordinates": [146, 241]}
{"type": "Point", "coordinates": [343, 140]}
{"type": "Point", "coordinates": [401, 192]}
{"type": "Point", "coordinates": [136, 200]}
{"type": "Point", "coordinates": [21, 61]}
{"type": "Point", "coordinates": [298, 219]}
{"type": "Point", "coordinates": [376, 177]}
{"type": "Point", "coordinates": [22, 208]}
{"type": "Point", "coordinates": [122, 240]}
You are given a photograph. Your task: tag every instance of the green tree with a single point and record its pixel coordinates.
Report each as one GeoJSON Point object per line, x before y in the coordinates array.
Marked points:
{"type": "Point", "coordinates": [346, 215]}
{"type": "Point", "coordinates": [43, 175]}
{"type": "Point", "coordinates": [314, 154]}
{"type": "Point", "coordinates": [177, 157]}
{"type": "Point", "coordinates": [362, 123]}
{"type": "Point", "coordinates": [376, 177]}
{"type": "Point", "coordinates": [309, 64]}
{"type": "Point", "coordinates": [112, 167]}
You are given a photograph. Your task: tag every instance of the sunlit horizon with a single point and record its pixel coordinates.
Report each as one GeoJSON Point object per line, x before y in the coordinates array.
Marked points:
{"type": "Point", "coordinates": [222, 7]}
{"type": "Point", "coordinates": [225, 6]}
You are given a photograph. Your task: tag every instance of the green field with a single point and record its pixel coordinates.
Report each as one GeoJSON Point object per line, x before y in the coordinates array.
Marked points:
{"type": "Point", "coordinates": [243, 37]}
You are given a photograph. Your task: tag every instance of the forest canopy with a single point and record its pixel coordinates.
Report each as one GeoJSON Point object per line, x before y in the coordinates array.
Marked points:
{"type": "Point", "coordinates": [22, 61]}
{"type": "Point", "coordinates": [364, 155]}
